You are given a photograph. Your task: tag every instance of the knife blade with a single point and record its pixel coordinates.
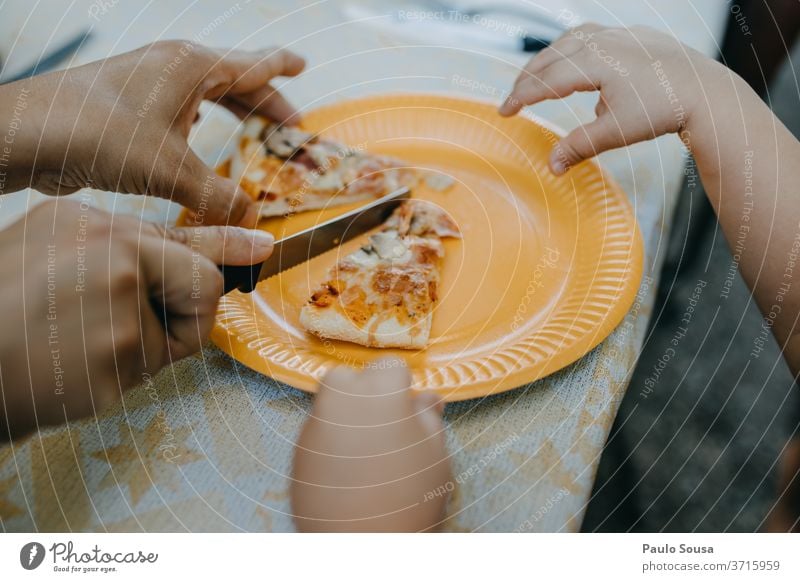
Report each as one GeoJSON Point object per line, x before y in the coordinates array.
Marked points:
{"type": "Point", "coordinates": [307, 244]}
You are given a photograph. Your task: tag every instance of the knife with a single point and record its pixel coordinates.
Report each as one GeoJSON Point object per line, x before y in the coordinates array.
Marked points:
{"type": "Point", "coordinates": [51, 59]}
{"type": "Point", "coordinates": [307, 244]}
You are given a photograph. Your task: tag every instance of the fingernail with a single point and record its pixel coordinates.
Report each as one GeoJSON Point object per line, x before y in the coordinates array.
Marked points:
{"type": "Point", "coordinates": [557, 164]}
{"type": "Point", "coordinates": [262, 239]}
{"type": "Point", "coordinates": [507, 105]}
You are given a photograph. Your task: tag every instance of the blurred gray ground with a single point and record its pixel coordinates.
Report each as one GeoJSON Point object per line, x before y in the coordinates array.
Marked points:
{"type": "Point", "coordinates": [697, 440]}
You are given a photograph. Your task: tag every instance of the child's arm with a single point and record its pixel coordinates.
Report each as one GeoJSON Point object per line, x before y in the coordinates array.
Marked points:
{"type": "Point", "coordinates": [371, 457]}
{"type": "Point", "coordinates": [650, 84]}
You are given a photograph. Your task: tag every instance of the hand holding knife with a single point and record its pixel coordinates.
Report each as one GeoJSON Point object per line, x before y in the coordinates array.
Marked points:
{"type": "Point", "coordinates": [307, 244]}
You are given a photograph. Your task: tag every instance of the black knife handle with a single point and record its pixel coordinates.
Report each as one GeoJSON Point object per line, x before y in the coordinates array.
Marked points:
{"type": "Point", "coordinates": [242, 278]}
{"type": "Point", "coordinates": [532, 44]}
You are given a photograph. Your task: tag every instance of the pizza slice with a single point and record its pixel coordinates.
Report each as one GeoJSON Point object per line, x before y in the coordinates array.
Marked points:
{"type": "Point", "coordinates": [383, 294]}
{"type": "Point", "coordinates": [288, 170]}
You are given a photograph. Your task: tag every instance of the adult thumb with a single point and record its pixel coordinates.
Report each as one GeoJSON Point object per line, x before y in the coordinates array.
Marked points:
{"type": "Point", "coordinates": [224, 245]}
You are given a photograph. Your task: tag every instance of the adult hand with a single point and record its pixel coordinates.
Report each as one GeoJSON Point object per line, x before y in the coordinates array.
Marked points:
{"type": "Point", "coordinates": [122, 124]}
{"type": "Point", "coordinates": [90, 302]}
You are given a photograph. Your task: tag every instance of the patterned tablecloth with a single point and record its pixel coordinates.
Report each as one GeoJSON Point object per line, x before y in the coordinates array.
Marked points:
{"type": "Point", "coordinates": [206, 444]}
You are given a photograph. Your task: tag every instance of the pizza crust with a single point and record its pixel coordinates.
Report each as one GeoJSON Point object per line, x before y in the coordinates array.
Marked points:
{"type": "Point", "coordinates": [390, 333]}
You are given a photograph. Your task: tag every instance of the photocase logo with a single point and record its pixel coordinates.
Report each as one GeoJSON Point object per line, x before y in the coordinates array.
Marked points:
{"type": "Point", "coordinates": [31, 555]}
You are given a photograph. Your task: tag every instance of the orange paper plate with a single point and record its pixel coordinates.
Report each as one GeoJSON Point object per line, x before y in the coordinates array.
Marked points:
{"type": "Point", "coordinates": [546, 269]}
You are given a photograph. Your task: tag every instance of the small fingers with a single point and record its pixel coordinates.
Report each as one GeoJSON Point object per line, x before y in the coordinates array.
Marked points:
{"type": "Point", "coordinates": [566, 47]}
{"type": "Point", "coordinates": [388, 376]}
{"type": "Point", "coordinates": [429, 407]}
{"type": "Point", "coordinates": [377, 396]}
{"type": "Point", "coordinates": [429, 401]}
{"type": "Point", "coordinates": [382, 377]}
{"type": "Point", "coordinates": [559, 80]}
{"type": "Point", "coordinates": [585, 30]}
{"type": "Point", "coordinates": [585, 142]}
{"type": "Point", "coordinates": [339, 380]}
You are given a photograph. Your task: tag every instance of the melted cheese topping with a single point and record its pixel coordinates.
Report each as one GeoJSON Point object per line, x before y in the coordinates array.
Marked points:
{"type": "Point", "coordinates": [279, 163]}
{"type": "Point", "coordinates": [390, 283]}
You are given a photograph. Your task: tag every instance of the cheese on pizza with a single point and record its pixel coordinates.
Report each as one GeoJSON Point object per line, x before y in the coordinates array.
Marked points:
{"type": "Point", "coordinates": [383, 295]}
{"type": "Point", "coordinates": [288, 170]}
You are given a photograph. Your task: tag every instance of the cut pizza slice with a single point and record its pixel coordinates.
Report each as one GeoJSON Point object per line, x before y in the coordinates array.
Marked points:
{"type": "Point", "coordinates": [288, 170]}
{"type": "Point", "coordinates": [383, 294]}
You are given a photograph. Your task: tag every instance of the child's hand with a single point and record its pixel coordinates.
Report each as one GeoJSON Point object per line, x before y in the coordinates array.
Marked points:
{"type": "Point", "coordinates": [650, 84]}
{"type": "Point", "coordinates": [369, 454]}
{"type": "Point", "coordinates": [785, 514]}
